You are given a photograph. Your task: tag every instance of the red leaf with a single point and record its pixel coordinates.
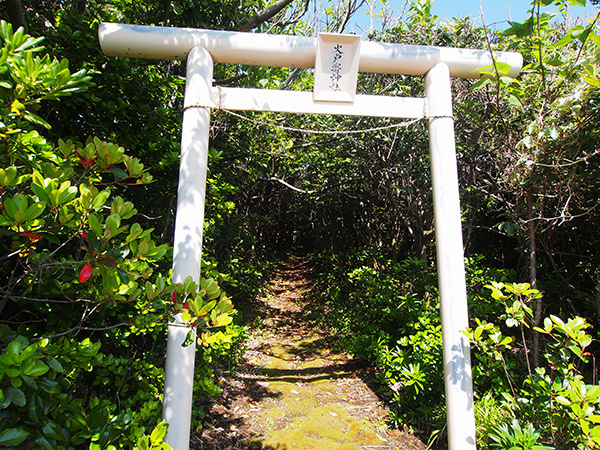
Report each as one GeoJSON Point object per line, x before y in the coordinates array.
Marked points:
{"type": "Point", "coordinates": [85, 273]}
{"type": "Point", "coordinates": [87, 163]}
{"type": "Point", "coordinates": [174, 296]}
{"type": "Point", "coordinates": [34, 237]}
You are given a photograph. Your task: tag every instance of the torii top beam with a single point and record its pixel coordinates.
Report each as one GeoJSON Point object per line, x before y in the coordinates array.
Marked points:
{"type": "Point", "coordinates": [151, 42]}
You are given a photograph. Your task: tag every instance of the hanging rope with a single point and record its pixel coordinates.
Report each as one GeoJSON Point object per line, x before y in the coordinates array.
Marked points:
{"type": "Point", "coordinates": [406, 123]}
{"type": "Point", "coordinates": [403, 124]}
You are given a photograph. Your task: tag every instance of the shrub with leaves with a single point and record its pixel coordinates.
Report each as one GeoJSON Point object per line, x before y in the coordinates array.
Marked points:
{"type": "Point", "coordinates": [561, 408]}
{"type": "Point", "coordinates": [515, 437]}
{"type": "Point", "coordinates": [82, 294]}
{"type": "Point", "coordinates": [389, 315]}
{"type": "Point", "coordinates": [41, 396]}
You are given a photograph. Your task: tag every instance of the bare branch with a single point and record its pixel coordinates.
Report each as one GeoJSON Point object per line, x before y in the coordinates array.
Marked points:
{"type": "Point", "coordinates": [80, 327]}
{"type": "Point", "coordinates": [293, 75]}
{"type": "Point", "coordinates": [583, 159]}
{"type": "Point", "coordinates": [279, 180]}
{"type": "Point", "coordinates": [226, 81]}
{"type": "Point", "coordinates": [264, 15]}
{"type": "Point", "coordinates": [352, 8]}
{"type": "Point", "coordinates": [286, 184]}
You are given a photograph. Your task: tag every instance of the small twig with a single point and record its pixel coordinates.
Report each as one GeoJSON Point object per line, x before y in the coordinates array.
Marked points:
{"type": "Point", "coordinates": [110, 327]}
{"type": "Point", "coordinates": [539, 40]}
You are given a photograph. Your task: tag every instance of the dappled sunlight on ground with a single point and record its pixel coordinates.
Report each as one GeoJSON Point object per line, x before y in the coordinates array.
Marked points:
{"type": "Point", "coordinates": [295, 390]}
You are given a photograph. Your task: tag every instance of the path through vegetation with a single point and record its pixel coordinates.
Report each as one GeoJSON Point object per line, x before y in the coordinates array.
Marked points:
{"type": "Point", "coordinates": [294, 390]}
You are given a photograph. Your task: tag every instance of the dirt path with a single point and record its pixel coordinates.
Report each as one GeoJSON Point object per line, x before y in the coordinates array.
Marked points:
{"type": "Point", "coordinates": [295, 392]}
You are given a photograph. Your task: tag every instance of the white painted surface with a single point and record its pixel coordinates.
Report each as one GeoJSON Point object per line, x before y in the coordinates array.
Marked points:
{"type": "Point", "coordinates": [336, 67]}
{"type": "Point", "coordinates": [141, 41]}
{"type": "Point", "coordinates": [187, 247]}
{"type": "Point", "coordinates": [241, 99]}
{"type": "Point", "coordinates": [450, 257]}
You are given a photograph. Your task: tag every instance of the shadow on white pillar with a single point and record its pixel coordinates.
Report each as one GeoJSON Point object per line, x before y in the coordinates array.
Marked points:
{"type": "Point", "coordinates": [450, 260]}
{"type": "Point", "coordinates": [187, 247]}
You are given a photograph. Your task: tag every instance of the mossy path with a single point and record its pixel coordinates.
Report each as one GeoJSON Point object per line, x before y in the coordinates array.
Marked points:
{"type": "Point", "coordinates": [295, 392]}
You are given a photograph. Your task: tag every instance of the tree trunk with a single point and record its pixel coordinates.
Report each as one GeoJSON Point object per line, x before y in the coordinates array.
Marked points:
{"type": "Point", "coordinates": [537, 314]}
{"type": "Point", "coordinates": [598, 295]}
{"type": "Point", "coordinates": [15, 14]}
{"type": "Point", "coordinates": [80, 5]}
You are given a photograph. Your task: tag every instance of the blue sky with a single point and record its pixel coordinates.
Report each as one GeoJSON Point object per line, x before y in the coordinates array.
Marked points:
{"type": "Point", "coordinates": [494, 10]}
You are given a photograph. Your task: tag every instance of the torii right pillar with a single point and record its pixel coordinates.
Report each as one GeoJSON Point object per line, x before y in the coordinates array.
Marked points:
{"type": "Point", "coordinates": [450, 261]}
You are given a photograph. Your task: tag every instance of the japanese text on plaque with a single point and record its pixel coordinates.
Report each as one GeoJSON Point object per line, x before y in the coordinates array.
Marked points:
{"type": "Point", "coordinates": [336, 68]}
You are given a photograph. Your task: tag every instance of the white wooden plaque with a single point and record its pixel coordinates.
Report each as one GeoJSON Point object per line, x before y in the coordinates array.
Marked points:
{"type": "Point", "coordinates": [336, 67]}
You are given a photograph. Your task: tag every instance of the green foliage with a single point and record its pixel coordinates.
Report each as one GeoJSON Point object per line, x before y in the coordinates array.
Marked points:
{"type": "Point", "coordinates": [41, 391]}
{"type": "Point", "coordinates": [389, 315]}
{"type": "Point", "coordinates": [517, 438]}
{"type": "Point", "coordinates": [489, 412]}
{"type": "Point", "coordinates": [205, 309]}
{"type": "Point", "coordinates": [557, 406]}
{"type": "Point", "coordinates": [27, 79]}
{"type": "Point", "coordinates": [75, 262]}
{"type": "Point", "coordinates": [554, 398]}
{"type": "Point", "coordinates": [412, 367]}
{"type": "Point", "coordinates": [155, 440]}
{"type": "Point", "coordinates": [79, 253]}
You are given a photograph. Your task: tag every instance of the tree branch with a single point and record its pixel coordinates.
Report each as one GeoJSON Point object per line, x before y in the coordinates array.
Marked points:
{"type": "Point", "coordinates": [230, 80]}
{"type": "Point", "coordinates": [293, 75]}
{"type": "Point", "coordinates": [264, 15]}
{"type": "Point", "coordinates": [346, 18]}
{"type": "Point", "coordinates": [286, 184]}
{"type": "Point", "coordinates": [14, 8]}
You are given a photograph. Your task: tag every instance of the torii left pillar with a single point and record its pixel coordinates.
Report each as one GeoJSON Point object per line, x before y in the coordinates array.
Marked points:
{"type": "Point", "coordinates": [187, 248]}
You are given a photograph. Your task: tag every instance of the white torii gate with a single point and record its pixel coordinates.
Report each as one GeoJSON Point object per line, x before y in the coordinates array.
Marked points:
{"type": "Point", "coordinates": [203, 48]}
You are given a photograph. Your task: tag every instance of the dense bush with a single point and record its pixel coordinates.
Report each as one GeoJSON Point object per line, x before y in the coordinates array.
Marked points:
{"type": "Point", "coordinates": [389, 315]}
{"type": "Point", "coordinates": [85, 292]}
{"type": "Point", "coordinates": [554, 402]}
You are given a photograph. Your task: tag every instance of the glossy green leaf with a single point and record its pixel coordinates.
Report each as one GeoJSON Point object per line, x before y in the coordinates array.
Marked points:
{"type": "Point", "coordinates": [12, 436]}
